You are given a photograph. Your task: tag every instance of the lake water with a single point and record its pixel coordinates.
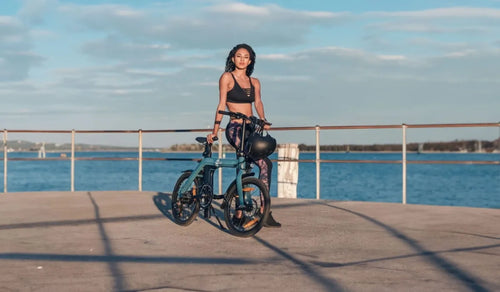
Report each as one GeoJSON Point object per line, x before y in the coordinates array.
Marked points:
{"type": "Point", "coordinates": [432, 184]}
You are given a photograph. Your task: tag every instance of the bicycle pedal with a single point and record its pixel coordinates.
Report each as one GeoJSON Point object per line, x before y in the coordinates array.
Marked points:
{"type": "Point", "coordinates": [251, 222]}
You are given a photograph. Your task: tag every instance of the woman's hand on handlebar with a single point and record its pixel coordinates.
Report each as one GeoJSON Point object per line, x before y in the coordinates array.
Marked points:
{"type": "Point", "coordinates": [265, 124]}
{"type": "Point", "coordinates": [211, 138]}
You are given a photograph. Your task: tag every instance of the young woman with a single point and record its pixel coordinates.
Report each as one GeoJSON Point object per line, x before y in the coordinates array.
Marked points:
{"type": "Point", "coordinates": [237, 92]}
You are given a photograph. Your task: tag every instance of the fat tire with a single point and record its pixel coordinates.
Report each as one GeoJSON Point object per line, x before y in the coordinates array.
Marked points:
{"type": "Point", "coordinates": [230, 207]}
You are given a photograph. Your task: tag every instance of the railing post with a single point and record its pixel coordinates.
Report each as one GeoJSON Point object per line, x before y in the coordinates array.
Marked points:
{"type": "Point", "coordinates": [72, 160]}
{"type": "Point", "coordinates": [221, 153]}
{"type": "Point", "coordinates": [5, 161]}
{"type": "Point", "coordinates": [140, 160]}
{"type": "Point", "coordinates": [404, 126]}
{"type": "Point", "coordinates": [498, 137]}
{"type": "Point", "coordinates": [318, 174]}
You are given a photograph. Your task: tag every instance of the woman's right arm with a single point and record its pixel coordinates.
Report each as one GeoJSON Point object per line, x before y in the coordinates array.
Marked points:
{"type": "Point", "coordinates": [223, 87]}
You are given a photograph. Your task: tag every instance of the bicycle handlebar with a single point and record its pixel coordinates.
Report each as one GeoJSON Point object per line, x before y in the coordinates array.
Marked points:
{"type": "Point", "coordinates": [244, 117]}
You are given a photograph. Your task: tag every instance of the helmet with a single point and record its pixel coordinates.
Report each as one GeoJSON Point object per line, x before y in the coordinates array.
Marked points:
{"type": "Point", "coordinates": [260, 146]}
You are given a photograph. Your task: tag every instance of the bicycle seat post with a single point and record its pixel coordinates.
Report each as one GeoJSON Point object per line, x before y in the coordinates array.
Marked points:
{"type": "Point", "coordinates": [208, 150]}
{"type": "Point", "coordinates": [241, 151]}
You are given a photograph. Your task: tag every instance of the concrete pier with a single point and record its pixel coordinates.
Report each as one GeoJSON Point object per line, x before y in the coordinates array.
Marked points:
{"type": "Point", "coordinates": [126, 241]}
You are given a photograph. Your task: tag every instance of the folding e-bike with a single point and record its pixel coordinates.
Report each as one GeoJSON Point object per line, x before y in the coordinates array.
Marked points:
{"type": "Point", "coordinates": [246, 201]}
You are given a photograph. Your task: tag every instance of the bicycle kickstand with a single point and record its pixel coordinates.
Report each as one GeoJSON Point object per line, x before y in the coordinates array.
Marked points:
{"type": "Point", "coordinates": [217, 217]}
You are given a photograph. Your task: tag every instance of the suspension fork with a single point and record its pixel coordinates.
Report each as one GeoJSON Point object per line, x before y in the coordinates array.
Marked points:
{"type": "Point", "coordinates": [239, 177]}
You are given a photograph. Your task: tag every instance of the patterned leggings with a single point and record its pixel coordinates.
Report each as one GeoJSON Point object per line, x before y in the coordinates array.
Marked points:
{"type": "Point", "coordinates": [233, 136]}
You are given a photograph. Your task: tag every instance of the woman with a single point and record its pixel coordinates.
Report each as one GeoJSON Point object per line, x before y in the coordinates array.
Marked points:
{"type": "Point", "coordinates": [237, 92]}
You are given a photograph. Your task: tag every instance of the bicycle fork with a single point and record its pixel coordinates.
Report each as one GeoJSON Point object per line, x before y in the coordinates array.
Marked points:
{"type": "Point", "coordinates": [244, 200]}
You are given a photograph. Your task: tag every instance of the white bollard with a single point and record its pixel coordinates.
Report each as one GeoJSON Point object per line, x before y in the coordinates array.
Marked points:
{"type": "Point", "coordinates": [288, 171]}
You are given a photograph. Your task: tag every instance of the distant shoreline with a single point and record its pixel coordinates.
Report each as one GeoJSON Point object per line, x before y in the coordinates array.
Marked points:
{"type": "Point", "coordinates": [457, 146]}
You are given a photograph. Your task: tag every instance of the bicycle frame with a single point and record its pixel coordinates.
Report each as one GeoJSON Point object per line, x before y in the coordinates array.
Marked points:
{"type": "Point", "coordinates": [240, 163]}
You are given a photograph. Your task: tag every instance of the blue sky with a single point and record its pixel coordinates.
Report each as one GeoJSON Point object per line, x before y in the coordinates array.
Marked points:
{"type": "Point", "coordinates": [104, 65]}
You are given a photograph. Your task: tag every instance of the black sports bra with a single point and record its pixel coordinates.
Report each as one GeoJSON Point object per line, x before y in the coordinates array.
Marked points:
{"type": "Point", "coordinates": [241, 95]}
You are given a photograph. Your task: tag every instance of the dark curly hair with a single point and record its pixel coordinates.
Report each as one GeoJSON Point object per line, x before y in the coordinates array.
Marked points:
{"type": "Point", "coordinates": [230, 66]}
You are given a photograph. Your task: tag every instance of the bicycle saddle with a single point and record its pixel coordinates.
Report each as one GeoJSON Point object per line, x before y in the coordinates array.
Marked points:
{"type": "Point", "coordinates": [203, 140]}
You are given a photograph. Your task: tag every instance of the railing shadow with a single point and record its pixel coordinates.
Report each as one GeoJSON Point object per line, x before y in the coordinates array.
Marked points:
{"type": "Point", "coordinates": [309, 270]}
{"type": "Point", "coordinates": [77, 222]}
{"type": "Point", "coordinates": [117, 274]}
{"type": "Point", "coordinates": [448, 267]}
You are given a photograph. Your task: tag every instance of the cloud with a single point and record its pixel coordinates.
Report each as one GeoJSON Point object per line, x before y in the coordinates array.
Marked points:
{"type": "Point", "coordinates": [158, 66]}
{"type": "Point", "coordinates": [16, 55]}
{"type": "Point", "coordinates": [204, 27]}
{"type": "Point", "coordinates": [451, 12]}
{"type": "Point", "coordinates": [16, 65]}
{"type": "Point", "coordinates": [432, 31]}
{"type": "Point", "coordinates": [354, 86]}
{"type": "Point", "coordinates": [34, 11]}
{"type": "Point", "coordinates": [115, 48]}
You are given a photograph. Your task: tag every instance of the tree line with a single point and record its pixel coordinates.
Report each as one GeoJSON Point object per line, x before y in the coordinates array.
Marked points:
{"type": "Point", "coordinates": [453, 146]}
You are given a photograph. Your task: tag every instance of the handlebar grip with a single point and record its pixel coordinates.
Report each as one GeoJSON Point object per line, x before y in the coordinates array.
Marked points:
{"type": "Point", "coordinates": [225, 113]}
{"type": "Point", "coordinates": [215, 138]}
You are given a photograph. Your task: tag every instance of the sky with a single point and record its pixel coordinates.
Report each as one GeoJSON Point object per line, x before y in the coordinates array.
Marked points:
{"type": "Point", "coordinates": [151, 64]}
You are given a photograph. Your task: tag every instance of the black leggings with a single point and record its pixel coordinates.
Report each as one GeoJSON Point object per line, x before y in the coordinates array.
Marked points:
{"type": "Point", "coordinates": [233, 136]}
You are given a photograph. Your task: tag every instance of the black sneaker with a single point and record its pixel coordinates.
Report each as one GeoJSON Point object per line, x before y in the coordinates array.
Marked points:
{"type": "Point", "coordinates": [271, 222]}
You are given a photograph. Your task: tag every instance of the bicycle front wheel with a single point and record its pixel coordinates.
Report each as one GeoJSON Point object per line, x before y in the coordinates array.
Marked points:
{"type": "Point", "coordinates": [247, 220]}
{"type": "Point", "coordinates": [185, 206]}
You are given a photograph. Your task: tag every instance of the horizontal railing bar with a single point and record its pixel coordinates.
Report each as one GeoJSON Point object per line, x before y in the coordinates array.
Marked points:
{"type": "Point", "coordinates": [40, 131]}
{"type": "Point", "coordinates": [63, 158]}
{"type": "Point", "coordinates": [453, 125]}
{"type": "Point", "coordinates": [101, 158]}
{"type": "Point", "coordinates": [172, 159]}
{"type": "Point", "coordinates": [453, 162]}
{"type": "Point", "coordinates": [108, 131]}
{"type": "Point", "coordinates": [353, 127]}
{"type": "Point", "coordinates": [399, 161]}
{"type": "Point", "coordinates": [338, 127]}
{"type": "Point", "coordinates": [350, 127]}
{"type": "Point", "coordinates": [488, 162]}
{"type": "Point", "coordinates": [177, 131]}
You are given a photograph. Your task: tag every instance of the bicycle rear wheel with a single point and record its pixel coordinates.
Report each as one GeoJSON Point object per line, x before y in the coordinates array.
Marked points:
{"type": "Point", "coordinates": [185, 206]}
{"type": "Point", "coordinates": [247, 220]}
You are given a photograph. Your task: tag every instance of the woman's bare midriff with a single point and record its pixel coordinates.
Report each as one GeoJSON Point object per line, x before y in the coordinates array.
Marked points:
{"type": "Point", "coordinates": [244, 108]}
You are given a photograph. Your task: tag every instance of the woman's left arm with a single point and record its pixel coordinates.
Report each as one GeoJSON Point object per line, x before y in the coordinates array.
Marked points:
{"type": "Point", "coordinates": [259, 106]}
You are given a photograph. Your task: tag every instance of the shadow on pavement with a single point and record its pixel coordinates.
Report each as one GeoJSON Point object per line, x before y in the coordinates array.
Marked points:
{"type": "Point", "coordinates": [163, 202]}
{"type": "Point", "coordinates": [463, 276]}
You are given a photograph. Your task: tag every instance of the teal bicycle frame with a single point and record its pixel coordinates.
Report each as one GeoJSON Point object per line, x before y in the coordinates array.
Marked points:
{"type": "Point", "coordinates": [210, 164]}
{"type": "Point", "coordinates": [240, 163]}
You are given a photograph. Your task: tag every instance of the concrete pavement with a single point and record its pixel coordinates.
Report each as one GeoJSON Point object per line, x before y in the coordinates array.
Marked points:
{"type": "Point", "coordinates": [126, 241]}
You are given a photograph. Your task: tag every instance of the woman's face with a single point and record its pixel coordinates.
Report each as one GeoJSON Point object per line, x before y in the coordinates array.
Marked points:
{"type": "Point", "coordinates": [241, 58]}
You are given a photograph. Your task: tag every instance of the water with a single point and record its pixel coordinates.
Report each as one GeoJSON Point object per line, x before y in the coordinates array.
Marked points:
{"type": "Point", "coordinates": [431, 184]}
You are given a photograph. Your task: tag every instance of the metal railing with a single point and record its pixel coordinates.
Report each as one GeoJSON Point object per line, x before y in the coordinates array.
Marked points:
{"type": "Point", "coordinates": [317, 160]}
